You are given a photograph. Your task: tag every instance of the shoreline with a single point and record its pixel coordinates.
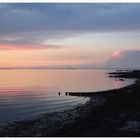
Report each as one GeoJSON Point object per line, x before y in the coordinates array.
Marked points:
{"type": "Point", "coordinates": [100, 116]}
{"type": "Point", "coordinates": [119, 116]}
{"type": "Point", "coordinates": [52, 123]}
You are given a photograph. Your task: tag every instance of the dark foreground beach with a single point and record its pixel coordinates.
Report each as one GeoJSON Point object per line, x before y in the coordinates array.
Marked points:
{"type": "Point", "coordinates": [108, 113]}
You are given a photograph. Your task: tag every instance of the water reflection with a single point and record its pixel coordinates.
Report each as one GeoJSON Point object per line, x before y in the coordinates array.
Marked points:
{"type": "Point", "coordinates": [28, 93]}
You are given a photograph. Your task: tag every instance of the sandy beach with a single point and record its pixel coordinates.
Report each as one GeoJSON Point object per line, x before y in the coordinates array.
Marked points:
{"type": "Point", "coordinates": [108, 113]}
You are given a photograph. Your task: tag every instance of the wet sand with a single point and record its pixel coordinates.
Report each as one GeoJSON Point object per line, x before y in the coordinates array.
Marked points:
{"type": "Point", "coordinates": [108, 113]}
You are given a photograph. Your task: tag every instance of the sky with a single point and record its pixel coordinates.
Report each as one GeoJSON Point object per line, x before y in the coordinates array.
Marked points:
{"type": "Point", "coordinates": [58, 34]}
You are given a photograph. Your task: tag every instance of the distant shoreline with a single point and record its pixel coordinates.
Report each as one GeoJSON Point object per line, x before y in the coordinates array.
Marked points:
{"type": "Point", "coordinates": [69, 68]}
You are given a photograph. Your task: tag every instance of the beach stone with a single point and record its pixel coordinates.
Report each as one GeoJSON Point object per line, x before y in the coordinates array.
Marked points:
{"type": "Point", "coordinates": [132, 126]}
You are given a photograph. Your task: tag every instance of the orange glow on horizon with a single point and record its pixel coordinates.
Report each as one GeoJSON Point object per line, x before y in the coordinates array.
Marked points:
{"type": "Point", "coordinates": [25, 56]}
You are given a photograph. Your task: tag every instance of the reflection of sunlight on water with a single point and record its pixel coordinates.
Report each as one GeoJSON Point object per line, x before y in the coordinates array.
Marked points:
{"type": "Point", "coordinates": [24, 93]}
{"type": "Point", "coordinates": [17, 91]}
{"type": "Point", "coordinates": [117, 83]}
{"type": "Point", "coordinates": [19, 104]}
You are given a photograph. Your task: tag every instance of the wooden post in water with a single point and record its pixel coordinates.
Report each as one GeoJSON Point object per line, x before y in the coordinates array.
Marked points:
{"type": "Point", "coordinates": [66, 93]}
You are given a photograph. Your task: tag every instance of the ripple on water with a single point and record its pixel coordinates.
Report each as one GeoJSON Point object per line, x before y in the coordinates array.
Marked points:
{"type": "Point", "coordinates": [24, 107]}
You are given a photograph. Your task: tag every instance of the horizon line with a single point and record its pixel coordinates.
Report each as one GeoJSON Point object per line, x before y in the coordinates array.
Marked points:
{"type": "Point", "coordinates": [12, 68]}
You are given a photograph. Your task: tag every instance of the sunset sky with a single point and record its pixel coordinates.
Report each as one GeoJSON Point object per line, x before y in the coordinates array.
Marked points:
{"type": "Point", "coordinates": [67, 34]}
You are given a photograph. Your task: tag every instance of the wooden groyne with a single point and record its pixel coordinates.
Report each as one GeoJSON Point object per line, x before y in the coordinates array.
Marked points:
{"type": "Point", "coordinates": [87, 94]}
{"type": "Point", "coordinates": [113, 91]}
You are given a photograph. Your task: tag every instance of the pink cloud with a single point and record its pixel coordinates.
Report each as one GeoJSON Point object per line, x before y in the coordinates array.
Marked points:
{"type": "Point", "coordinates": [11, 47]}
{"type": "Point", "coordinates": [117, 54]}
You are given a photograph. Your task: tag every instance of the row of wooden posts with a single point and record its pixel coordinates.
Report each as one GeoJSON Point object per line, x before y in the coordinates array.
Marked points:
{"type": "Point", "coordinates": [72, 93]}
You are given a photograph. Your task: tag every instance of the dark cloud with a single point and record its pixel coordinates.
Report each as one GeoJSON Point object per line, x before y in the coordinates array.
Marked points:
{"type": "Point", "coordinates": [96, 17]}
{"type": "Point", "coordinates": [128, 59]}
{"type": "Point", "coordinates": [34, 23]}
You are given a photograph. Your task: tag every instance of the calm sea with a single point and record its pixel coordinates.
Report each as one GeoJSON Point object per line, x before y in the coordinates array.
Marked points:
{"type": "Point", "coordinates": [29, 93]}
